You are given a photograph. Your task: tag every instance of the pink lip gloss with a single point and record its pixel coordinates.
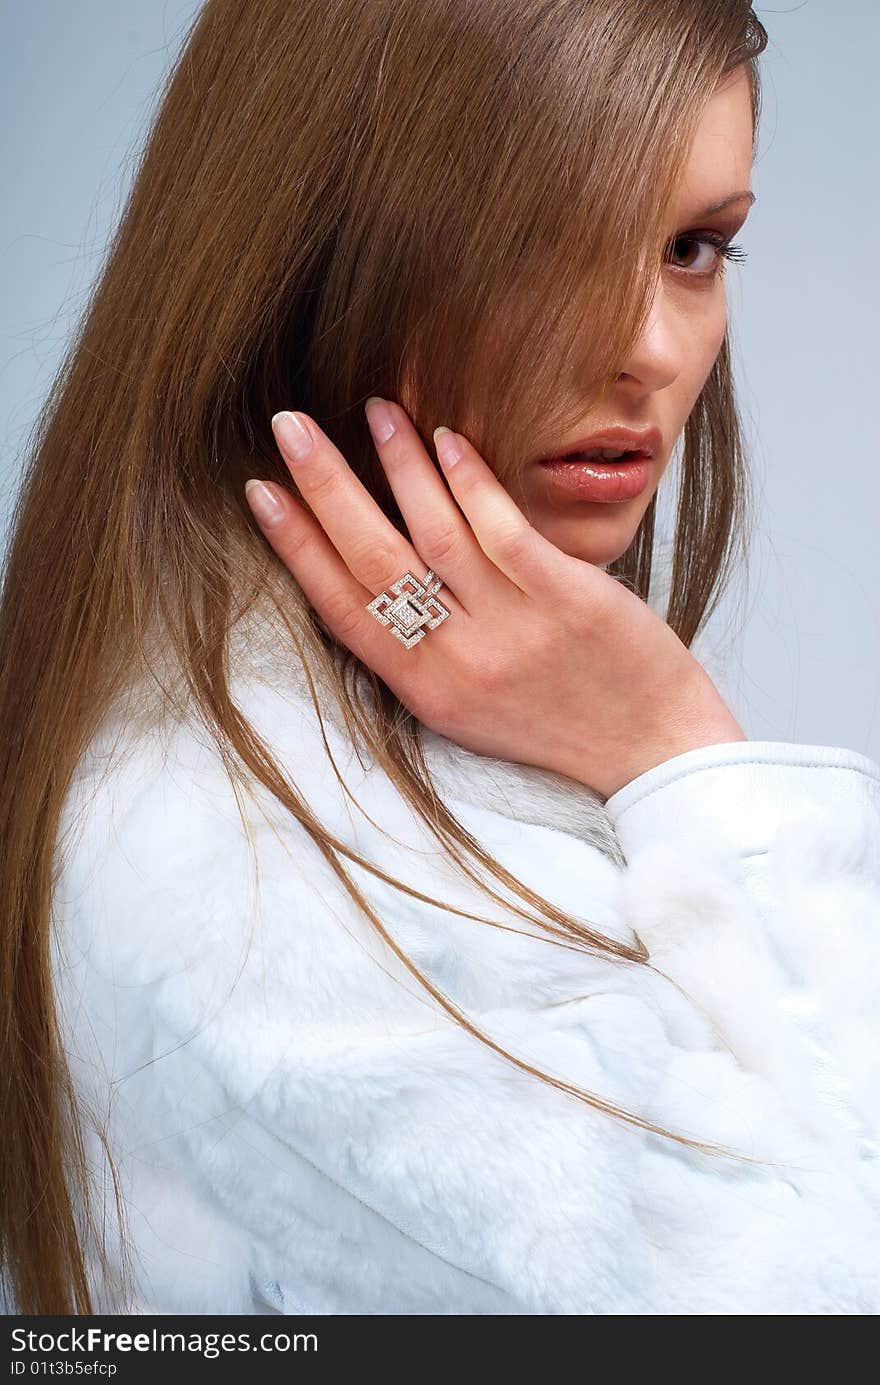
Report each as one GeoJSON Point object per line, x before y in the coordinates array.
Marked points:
{"type": "Point", "coordinates": [605, 482]}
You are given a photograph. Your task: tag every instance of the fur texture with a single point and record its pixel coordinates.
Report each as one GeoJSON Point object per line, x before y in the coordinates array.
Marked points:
{"type": "Point", "coordinates": [299, 1128]}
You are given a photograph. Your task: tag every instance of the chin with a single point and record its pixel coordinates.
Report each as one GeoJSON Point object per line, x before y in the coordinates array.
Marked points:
{"type": "Point", "coordinates": [598, 536]}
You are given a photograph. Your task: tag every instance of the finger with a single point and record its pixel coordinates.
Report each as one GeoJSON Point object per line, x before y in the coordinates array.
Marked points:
{"type": "Point", "coordinates": [438, 528]}
{"type": "Point", "coordinates": [375, 552]}
{"type": "Point", "coordinates": [499, 525]}
{"type": "Point", "coordinates": [334, 592]}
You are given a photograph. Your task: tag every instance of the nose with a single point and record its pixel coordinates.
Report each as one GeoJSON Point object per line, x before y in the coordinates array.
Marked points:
{"type": "Point", "coordinates": [659, 353]}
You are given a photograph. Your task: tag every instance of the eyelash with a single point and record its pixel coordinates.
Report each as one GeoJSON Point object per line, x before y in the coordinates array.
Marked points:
{"type": "Point", "coordinates": [727, 251]}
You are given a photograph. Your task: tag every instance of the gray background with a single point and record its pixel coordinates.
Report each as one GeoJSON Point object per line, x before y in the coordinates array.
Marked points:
{"type": "Point", "coordinates": [796, 649]}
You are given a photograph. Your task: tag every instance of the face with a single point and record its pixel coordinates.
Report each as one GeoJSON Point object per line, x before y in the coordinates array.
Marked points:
{"type": "Point", "coordinates": [662, 380]}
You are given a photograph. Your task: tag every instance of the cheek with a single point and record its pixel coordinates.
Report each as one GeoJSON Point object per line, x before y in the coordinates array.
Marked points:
{"type": "Point", "coordinates": [708, 339]}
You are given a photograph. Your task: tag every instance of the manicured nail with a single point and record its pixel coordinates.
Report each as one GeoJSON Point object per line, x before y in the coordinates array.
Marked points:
{"type": "Point", "coordinates": [379, 418]}
{"type": "Point", "coordinates": [265, 503]}
{"type": "Point", "coordinates": [447, 445]}
{"type": "Point", "coordinates": [293, 434]}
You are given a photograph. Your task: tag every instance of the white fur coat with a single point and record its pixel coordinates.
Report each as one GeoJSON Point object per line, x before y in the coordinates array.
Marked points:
{"type": "Point", "coordinates": [298, 1126]}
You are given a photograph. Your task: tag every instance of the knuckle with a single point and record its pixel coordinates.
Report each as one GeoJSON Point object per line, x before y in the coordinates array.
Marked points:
{"type": "Point", "coordinates": [493, 673]}
{"type": "Point", "coordinates": [323, 482]}
{"type": "Point", "coordinates": [439, 540]}
{"type": "Point", "coordinates": [467, 478]}
{"type": "Point", "coordinates": [511, 541]}
{"type": "Point", "coordinates": [296, 540]}
{"type": "Point", "coordinates": [376, 564]}
{"type": "Point", "coordinates": [341, 614]}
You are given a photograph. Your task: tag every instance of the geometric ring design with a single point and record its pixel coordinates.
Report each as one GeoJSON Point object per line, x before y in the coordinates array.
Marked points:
{"type": "Point", "coordinates": [410, 607]}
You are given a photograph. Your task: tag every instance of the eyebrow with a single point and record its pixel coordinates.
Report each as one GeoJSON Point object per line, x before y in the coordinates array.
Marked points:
{"type": "Point", "coordinates": [727, 202]}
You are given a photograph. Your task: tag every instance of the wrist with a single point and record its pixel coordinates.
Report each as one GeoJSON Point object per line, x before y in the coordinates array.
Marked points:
{"type": "Point", "coordinates": [722, 731]}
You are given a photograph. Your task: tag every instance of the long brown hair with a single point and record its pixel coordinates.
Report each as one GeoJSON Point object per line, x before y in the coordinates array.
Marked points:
{"type": "Point", "coordinates": [421, 201]}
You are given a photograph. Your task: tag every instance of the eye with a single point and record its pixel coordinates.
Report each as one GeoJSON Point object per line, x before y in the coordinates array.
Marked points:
{"type": "Point", "coordinates": [716, 251]}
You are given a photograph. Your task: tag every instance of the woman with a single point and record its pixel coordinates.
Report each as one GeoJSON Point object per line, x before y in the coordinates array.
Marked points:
{"type": "Point", "coordinates": [468, 959]}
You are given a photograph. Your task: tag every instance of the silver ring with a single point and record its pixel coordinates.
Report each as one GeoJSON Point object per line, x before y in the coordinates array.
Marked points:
{"type": "Point", "coordinates": [410, 607]}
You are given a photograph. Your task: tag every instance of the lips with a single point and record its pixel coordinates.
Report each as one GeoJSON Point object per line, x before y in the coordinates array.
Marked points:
{"type": "Point", "coordinates": [601, 454]}
{"type": "Point", "coordinates": [611, 444]}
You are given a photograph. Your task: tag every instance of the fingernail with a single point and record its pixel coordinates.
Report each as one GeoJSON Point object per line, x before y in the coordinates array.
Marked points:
{"type": "Point", "coordinates": [292, 433]}
{"type": "Point", "coordinates": [447, 445]}
{"type": "Point", "coordinates": [264, 503]}
{"type": "Point", "coordinates": [379, 418]}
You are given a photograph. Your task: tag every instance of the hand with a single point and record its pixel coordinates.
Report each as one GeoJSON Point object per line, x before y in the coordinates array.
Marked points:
{"type": "Point", "coordinates": [545, 659]}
